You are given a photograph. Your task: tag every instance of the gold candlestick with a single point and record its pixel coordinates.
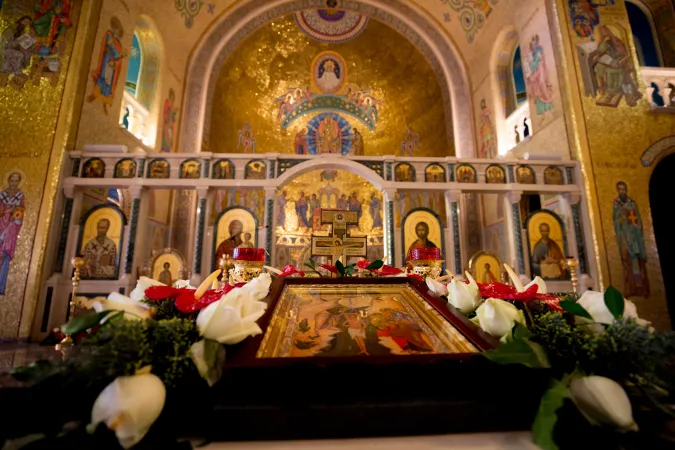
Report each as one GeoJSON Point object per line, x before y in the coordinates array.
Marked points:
{"type": "Point", "coordinates": [572, 265]}
{"type": "Point", "coordinates": [224, 264]}
{"type": "Point", "coordinates": [78, 263]}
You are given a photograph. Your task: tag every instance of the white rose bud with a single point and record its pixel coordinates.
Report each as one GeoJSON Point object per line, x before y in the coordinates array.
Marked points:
{"type": "Point", "coordinates": [232, 318]}
{"type": "Point", "coordinates": [142, 284]}
{"type": "Point", "coordinates": [465, 297]}
{"type": "Point", "coordinates": [129, 406]}
{"type": "Point", "coordinates": [497, 317]}
{"type": "Point", "coordinates": [540, 283]}
{"type": "Point", "coordinates": [118, 302]}
{"type": "Point", "coordinates": [594, 303]}
{"type": "Point", "coordinates": [603, 402]}
{"type": "Point", "coordinates": [437, 289]}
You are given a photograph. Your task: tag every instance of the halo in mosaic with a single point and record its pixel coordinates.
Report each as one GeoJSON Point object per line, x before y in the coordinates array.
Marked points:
{"type": "Point", "coordinates": [330, 25]}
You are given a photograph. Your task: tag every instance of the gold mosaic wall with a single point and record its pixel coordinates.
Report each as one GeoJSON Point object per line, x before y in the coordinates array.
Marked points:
{"type": "Point", "coordinates": [278, 57]}
{"type": "Point", "coordinates": [617, 134]}
{"type": "Point", "coordinates": [28, 118]}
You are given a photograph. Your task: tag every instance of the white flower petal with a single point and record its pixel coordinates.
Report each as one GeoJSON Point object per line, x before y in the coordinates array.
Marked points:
{"type": "Point", "coordinates": [540, 283]}
{"type": "Point", "coordinates": [143, 283]}
{"type": "Point", "coordinates": [497, 317]}
{"type": "Point", "coordinates": [130, 405]}
{"type": "Point", "coordinates": [603, 402]}
{"type": "Point", "coordinates": [437, 289]}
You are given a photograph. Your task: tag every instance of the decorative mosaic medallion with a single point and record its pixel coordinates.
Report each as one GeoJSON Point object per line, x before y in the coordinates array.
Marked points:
{"type": "Point", "coordinates": [329, 72]}
{"type": "Point", "coordinates": [330, 25]}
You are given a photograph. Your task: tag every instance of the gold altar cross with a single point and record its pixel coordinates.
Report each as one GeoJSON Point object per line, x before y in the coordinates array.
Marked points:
{"type": "Point", "coordinates": [339, 244]}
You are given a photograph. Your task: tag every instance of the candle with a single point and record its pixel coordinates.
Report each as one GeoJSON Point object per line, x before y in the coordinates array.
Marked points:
{"type": "Point", "coordinates": [248, 254]}
{"type": "Point", "coordinates": [425, 254]}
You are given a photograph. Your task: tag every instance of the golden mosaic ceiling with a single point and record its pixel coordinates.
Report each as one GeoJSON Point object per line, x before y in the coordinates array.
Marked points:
{"type": "Point", "coordinates": [278, 57]}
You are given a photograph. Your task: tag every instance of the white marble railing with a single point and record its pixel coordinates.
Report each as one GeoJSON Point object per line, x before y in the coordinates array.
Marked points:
{"type": "Point", "coordinates": [660, 84]}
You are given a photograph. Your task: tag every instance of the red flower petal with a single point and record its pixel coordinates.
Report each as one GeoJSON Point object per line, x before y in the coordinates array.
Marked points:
{"type": "Point", "coordinates": [363, 264]}
{"type": "Point", "coordinates": [496, 290]}
{"type": "Point", "coordinates": [186, 301]}
{"type": "Point", "coordinates": [387, 270]}
{"type": "Point", "coordinates": [156, 293]}
{"type": "Point", "coordinates": [328, 267]}
{"type": "Point", "coordinates": [290, 270]}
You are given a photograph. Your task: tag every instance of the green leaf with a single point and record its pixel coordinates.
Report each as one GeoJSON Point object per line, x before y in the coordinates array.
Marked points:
{"type": "Point", "coordinates": [614, 301]}
{"type": "Point", "coordinates": [377, 264]}
{"type": "Point", "coordinates": [84, 322]}
{"type": "Point", "coordinates": [521, 351]}
{"type": "Point", "coordinates": [209, 357]}
{"type": "Point", "coordinates": [340, 267]}
{"type": "Point", "coordinates": [575, 308]}
{"type": "Point", "coordinates": [547, 415]}
{"type": "Point", "coordinates": [521, 332]}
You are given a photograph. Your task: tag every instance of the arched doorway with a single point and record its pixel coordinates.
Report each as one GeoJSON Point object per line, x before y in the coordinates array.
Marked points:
{"type": "Point", "coordinates": [660, 201]}
{"type": "Point", "coordinates": [298, 217]}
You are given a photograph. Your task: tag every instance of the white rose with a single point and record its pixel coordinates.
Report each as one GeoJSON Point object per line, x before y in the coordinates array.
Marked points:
{"type": "Point", "coordinates": [465, 297]}
{"type": "Point", "coordinates": [594, 303]}
{"type": "Point", "coordinates": [258, 287]}
{"type": "Point", "coordinates": [142, 284]}
{"type": "Point", "coordinates": [603, 402]}
{"type": "Point", "coordinates": [118, 302]}
{"type": "Point", "coordinates": [437, 289]}
{"type": "Point", "coordinates": [540, 283]}
{"type": "Point", "coordinates": [497, 317]}
{"type": "Point", "coordinates": [129, 406]}
{"type": "Point", "coordinates": [232, 318]}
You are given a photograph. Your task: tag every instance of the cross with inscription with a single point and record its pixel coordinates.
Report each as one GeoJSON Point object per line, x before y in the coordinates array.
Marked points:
{"type": "Point", "coordinates": [339, 244]}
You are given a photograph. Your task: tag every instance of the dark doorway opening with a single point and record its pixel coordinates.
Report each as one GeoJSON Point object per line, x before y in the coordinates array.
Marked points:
{"type": "Point", "coordinates": [660, 200]}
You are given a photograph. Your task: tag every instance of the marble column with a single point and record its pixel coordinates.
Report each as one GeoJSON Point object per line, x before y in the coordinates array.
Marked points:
{"type": "Point", "coordinates": [514, 229]}
{"type": "Point", "coordinates": [453, 246]}
{"type": "Point", "coordinates": [73, 231]}
{"type": "Point", "coordinates": [268, 230]}
{"type": "Point", "coordinates": [392, 258]}
{"type": "Point", "coordinates": [576, 239]}
{"type": "Point", "coordinates": [200, 225]}
{"type": "Point", "coordinates": [131, 233]}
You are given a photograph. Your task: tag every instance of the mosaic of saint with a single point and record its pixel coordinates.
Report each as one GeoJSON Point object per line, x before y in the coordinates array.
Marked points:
{"type": "Point", "coordinates": [495, 174]}
{"type": "Point", "coordinates": [434, 173]}
{"type": "Point", "coordinates": [631, 241]}
{"type": "Point", "coordinates": [101, 243]}
{"type": "Point", "coordinates": [525, 175]}
{"type": "Point", "coordinates": [421, 229]}
{"type": "Point", "coordinates": [40, 31]}
{"type": "Point", "coordinates": [125, 168]}
{"type": "Point", "coordinates": [546, 241]}
{"type": "Point", "coordinates": [12, 208]}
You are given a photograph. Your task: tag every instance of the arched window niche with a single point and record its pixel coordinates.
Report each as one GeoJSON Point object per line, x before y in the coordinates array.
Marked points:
{"type": "Point", "coordinates": [645, 36]}
{"type": "Point", "coordinates": [139, 107]}
{"type": "Point", "coordinates": [512, 109]}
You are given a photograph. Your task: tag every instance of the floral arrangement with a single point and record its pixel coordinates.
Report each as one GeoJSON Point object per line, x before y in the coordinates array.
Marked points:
{"type": "Point", "coordinates": [138, 351]}
{"type": "Point", "coordinates": [604, 362]}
